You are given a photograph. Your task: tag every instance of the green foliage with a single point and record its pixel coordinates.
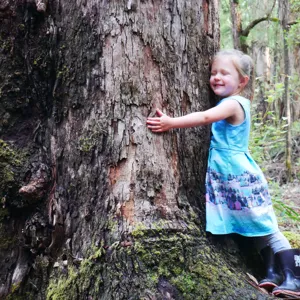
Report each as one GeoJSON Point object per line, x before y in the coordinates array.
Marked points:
{"type": "Point", "coordinates": [295, 6]}
{"type": "Point", "coordinates": [274, 93]}
{"type": "Point", "coordinates": [268, 135]}
{"type": "Point", "coordinates": [225, 25]}
{"type": "Point", "coordinates": [264, 33]}
{"type": "Point", "coordinates": [293, 238]}
{"type": "Point", "coordinates": [293, 34]}
{"type": "Point", "coordinates": [282, 209]}
{"type": "Point", "coordinates": [268, 138]}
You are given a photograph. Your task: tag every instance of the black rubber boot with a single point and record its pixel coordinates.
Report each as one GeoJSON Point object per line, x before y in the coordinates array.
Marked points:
{"type": "Point", "coordinates": [290, 264]}
{"type": "Point", "coordinates": [273, 273]}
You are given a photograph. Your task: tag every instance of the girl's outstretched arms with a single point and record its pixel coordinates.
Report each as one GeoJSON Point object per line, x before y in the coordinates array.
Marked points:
{"type": "Point", "coordinates": [229, 109]}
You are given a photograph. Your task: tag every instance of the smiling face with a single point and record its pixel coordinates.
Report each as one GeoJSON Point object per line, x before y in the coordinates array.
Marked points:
{"type": "Point", "coordinates": [225, 80]}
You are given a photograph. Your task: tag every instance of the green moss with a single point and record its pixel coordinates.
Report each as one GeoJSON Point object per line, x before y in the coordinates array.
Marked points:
{"type": "Point", "coordinates": [58, 289]}
{"type": "Point", "coordinates": [9, 160]}
{"type": "Point", "coordinates": [21, 27]}
{"type": "Point", "coordinates": [3, 212]}
{"type": "Point", "coordinates": [78, 279]}
{"type": "Point", "coordinates": [15, 287]}
{"type": "Point", "coordinates": [183, 259]}
{"type": "Point", "coordinates": [86, 144]}
{"type": "Point", "coordinates": [158, 255]}
{"type": "Point", "coordinates": [293, 238]}
{"type": "Point", "coordinates": [139, 230]}
{"type": "Point", "coordinates": [5, 241]}
{"type": "Point", "coordinates": [92, 137]}
{"type": "Point", "coordinates": [63, 72]}
{"type": "Point", "coordinates": [112, 225]}
{"type": "Point", "coordinates": [152, 279]}
{"type": "Point", "coordinates": [16, 294]}
{"type": "Point", "coordinates": [90, 141]}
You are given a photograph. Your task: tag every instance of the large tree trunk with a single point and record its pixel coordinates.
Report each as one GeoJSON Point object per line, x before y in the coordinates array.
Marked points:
{"type": "Point", "coordinates": [95, 206]}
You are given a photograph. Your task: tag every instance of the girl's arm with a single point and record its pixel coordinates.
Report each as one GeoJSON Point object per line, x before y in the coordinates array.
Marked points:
{"type": "Point", "coordinates": [228, 109]}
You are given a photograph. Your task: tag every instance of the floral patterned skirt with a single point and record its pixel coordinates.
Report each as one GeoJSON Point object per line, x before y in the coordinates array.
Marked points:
{"type": "Point", "coordinates": [237, 196]}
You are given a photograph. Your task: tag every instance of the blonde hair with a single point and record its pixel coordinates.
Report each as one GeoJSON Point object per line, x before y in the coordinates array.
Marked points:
{"type": "Point", "coordinates": [245, 67]}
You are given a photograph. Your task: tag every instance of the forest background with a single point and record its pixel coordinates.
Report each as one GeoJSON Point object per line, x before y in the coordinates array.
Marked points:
{"type": "Point", "coordinates": [269, 32]}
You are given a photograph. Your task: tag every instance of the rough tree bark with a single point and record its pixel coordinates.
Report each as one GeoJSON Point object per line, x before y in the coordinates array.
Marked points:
{"type": "Point", "coordinates": [94, 206]}
{"type": "Point", "coordinates": [236, 23]}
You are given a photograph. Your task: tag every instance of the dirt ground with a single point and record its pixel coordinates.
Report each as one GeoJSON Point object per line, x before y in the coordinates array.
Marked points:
{"type": "Point", "coordinates": [289, 195]}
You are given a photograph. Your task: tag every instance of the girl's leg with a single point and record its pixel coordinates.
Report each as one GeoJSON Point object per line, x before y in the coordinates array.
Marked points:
{"type": "Point", "coordinates": [276, 241]}
{"type": "Point", "coordinates": [268, 246]}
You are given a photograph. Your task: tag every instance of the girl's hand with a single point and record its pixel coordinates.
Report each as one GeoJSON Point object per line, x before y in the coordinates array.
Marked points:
{"type": "Point", "coordinates": [161, 123]}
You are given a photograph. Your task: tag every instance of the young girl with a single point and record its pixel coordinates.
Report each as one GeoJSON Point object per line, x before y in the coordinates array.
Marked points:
{"type": "Point", "coordinates": [237, 197]}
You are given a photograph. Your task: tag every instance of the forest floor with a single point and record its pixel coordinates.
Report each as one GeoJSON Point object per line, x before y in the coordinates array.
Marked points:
{"type": "Point", "coordinates": [286, 200]}
{"type": "Point", "coordinates": [289, 226]}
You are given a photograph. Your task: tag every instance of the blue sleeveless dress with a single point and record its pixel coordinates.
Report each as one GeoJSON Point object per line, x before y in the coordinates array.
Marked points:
{"type": "Point", "coordinates": [237, 197]}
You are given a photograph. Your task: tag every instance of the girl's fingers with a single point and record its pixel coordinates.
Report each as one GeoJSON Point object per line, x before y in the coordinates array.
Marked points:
{"type": "Point", "coordinates": [154, 126]}
{"type": "Point", "coordinates": [159, 112]}
{"type": "Point", "coordinates": [157, 130]}
{"type": "Point", "coordinates": [153, 120]}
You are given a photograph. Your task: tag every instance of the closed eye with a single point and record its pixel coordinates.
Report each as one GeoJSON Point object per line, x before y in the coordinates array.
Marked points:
{"type": "Point", "coordinates": [225, 72]}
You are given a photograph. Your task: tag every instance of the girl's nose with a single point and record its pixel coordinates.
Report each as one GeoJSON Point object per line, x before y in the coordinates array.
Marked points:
{"type": "Point", "coordinates": [217, 77]}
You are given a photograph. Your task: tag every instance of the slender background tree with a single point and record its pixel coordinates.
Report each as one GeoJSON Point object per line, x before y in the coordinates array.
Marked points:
{"type": "Point", "coordinates": [284, 10]}
{"type": "Point", "coordinates": [95, 206]}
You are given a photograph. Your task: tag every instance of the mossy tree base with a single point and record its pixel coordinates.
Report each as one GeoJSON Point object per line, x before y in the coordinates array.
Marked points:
{"type": "Point", "coordinates": [157, 264]}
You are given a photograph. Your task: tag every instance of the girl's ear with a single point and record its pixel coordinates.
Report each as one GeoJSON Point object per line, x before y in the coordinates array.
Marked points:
{"type": "Point", "coordinates": [243, 81]}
